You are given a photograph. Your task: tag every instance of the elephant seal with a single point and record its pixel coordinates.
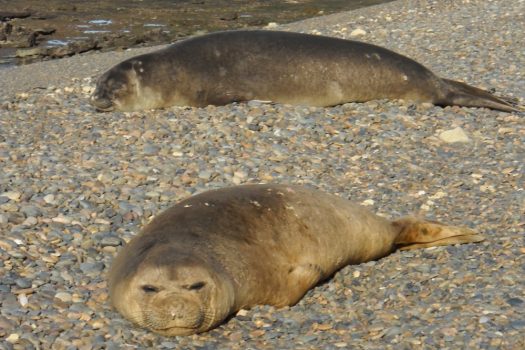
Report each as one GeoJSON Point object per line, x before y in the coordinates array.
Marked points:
{"type": "Point", "coordinates": [223, 250]}
{"type": "Point", "coordinates": [284, 67]}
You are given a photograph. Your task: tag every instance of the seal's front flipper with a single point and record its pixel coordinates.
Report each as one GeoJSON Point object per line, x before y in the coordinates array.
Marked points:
{"type": "Point", "coordinates": [414, 233]}
{"type": "Point", "coordinates": [301, 278]}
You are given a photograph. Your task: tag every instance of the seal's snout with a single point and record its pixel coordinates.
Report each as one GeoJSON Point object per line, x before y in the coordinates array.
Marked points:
{"type": "Point", "coordinates": [101, 103]}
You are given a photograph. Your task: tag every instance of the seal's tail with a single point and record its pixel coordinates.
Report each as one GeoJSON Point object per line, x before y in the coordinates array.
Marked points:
{"type": "Point", "coordinates": [461, 94]}
{"type": "Point", "coordinates": [414, 233]}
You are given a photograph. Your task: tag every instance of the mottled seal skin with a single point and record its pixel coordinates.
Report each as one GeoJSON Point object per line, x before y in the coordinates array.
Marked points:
{"type": "Point", "coordinates": [293, 68]}
{"type": "Point", "coordinates": [220, 251]}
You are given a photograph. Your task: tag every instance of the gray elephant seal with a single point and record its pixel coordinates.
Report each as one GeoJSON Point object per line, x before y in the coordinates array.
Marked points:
{"type": "Point", "coordinates": [220, 251]}
{"type": "Point", "coordinates": [293, 68]}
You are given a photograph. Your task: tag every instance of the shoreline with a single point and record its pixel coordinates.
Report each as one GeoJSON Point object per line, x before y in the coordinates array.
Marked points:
{"type": "Point", "coordinates": [83, 60]}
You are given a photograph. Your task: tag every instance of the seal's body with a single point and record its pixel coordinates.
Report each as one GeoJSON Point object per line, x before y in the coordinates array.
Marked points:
{"type": "Point", "coordinates": [218, 252]}
{"type": "Point", "coordinates": [234, 66]}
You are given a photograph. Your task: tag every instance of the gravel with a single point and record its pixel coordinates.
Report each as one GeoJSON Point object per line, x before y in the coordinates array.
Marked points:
{"type": "Point", "coordinates": [76, 184]}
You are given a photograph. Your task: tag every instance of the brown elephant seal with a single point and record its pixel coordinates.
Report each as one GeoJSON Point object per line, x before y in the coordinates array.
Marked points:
{"type": "Point", "coordinates": [220, 251]}
{"type": "Point", "coordinates": [293, 68]}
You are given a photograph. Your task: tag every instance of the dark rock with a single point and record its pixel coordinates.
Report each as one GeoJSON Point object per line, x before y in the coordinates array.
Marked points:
{"type": "Point", "coordinates": [232, 16]}
{"type": "Point", "coordinates": [518, 324]}
{"type": "Point", "coordinates": [72, 48]}
{"type": "Point", "coordinates": [7, 15]}
{"type": "Point", "coordinates": [515, 302]}
{"type": "Point", "coordinates": [45, 31]}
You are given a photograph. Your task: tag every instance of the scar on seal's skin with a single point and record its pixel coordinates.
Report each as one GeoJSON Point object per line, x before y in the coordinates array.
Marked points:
{"type": "Point", "coordinates": [196, 264]}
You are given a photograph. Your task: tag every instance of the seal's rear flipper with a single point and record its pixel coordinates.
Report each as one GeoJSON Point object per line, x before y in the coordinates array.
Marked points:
{"type": "Point", "coordinates": [414, 233]}
{"type": "Point", "coordinates": [461, 94]}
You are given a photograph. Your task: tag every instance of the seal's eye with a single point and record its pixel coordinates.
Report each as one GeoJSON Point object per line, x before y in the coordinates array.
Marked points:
{"type": "Point", "coordinates": [196, 286]}
{"type": "Point", "coordinates": [149, 289]}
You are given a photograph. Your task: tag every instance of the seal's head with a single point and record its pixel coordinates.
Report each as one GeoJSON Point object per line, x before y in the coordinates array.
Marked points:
{"type": "Point", "coordinates": [168, 292]}
{"type": "Point", "coordinates": [129, 86]}
{"type": "Point", "coordinates": [116, 88]}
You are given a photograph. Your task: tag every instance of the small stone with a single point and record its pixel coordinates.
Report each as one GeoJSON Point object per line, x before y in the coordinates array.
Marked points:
{"type": "Point", "coordinates": [358, 32]}
{"type": "Point", "coordinates": [12, 195]}
{"type": "Point", "coordinates": [307, 338]}
{"type": "Point", "coordinates": [152, 194]}
{"type": "Point", "coordinates": [105, 177]}
{"type": "Point", "coordinates": [450, 331]}
{"type": "Point", "coordinates": [89, 268]}
{"type": "Point", "coordinates": [87, 89]}
{"type": "Point", "coordinates": [240, 174]}
{"type": "Point", "coordinates": [242, 312]}
{"type": "Point", "coordinates": [22, 299]}
{"type": "Point", "coordinates": [111, 241]}
{"type": "Point", "coordinates": [148, 135]}
{"type": "Point", "coordinates": [6, 324]}
{"type": "Point", "coordinates": [368, 202]}
{"type": "Point", "coordinates": [97, 324]}
{"type": "Point", "coordinates": [393, 331]}
{"type": "Point", "coordinates": [64, 297]}
{"type": "Point", "coordinates": [151, 150]}
{"type": "Point", "coordinates": [13, 338]}
{"type": "Point", "coordinates": [23, 283]}
{"type": "Point", "coordinates": [30, 221]}
{"type": "Point", "coordinates": [205, 175]}
{"type": "Point", "coordinates": [483, 319]}
{"type": "Point", "coordinates": [515, 302]}
{"type": "Point", "coordinates": [324, 326]}
{"type": "Point", "coordinates": [61, 219]}
{"type": "Point", "coordinates": [257, 333]}
{"type": "Point", "coordinates": [236, 336]}
{"type": "Point", "coordinates": [49, 199]}
{"type": "Point", "coordinates": [518, 324]}
{"type": "Point", "coordinates": [454, 135]}
{"type": "Point", "coordinates": [31, 210]}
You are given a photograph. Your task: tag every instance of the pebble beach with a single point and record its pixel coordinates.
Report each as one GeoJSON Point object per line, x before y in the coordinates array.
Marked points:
{"type": "Point", "coordinates": [76, 185]}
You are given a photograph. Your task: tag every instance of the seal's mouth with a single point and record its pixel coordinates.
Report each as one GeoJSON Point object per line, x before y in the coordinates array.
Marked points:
{"type": "Point", "coordinates": [103, 104]}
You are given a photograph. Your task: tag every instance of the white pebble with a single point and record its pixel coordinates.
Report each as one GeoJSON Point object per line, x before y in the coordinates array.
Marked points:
{"type": "Point", "coordinates": [62, 219]}
{"type": "Point", "coordinates": [49, 199]}
{"type": "Point", "coordinates": [368, 202]}
{"type": "Point", "coordinates": [454, 135]}
{"type": "Point", "coordinates": [484, 319]}
{"type": "Point", "coordinates": [12, 195]}
{"type": "Point", "coordinates": [63, 296]}
{"type": "Point", "coordinates": [358, 32]}
{"type": "Point", "coordinates": [22, 299]}
{"type": "Point", "coordinates": [13, 338]}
